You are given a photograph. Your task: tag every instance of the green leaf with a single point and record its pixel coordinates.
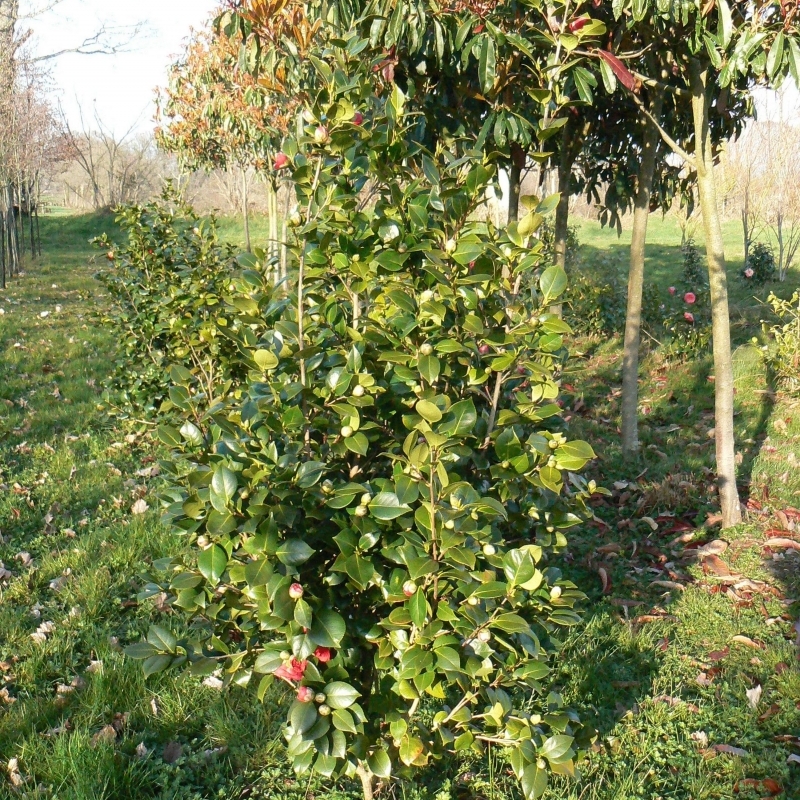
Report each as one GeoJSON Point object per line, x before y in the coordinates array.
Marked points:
{"type": "Point", "coordinates": [357, 443]}
{"type": "Point", "coordinates": [170, 437]}
{"type": "Point", "coordinates": [265, 359]}
{"type": "Point", "coordinates": [224, 485]}
{"type": "Point", "coordinates": [775, 56]}
{"type": "Point", "coordinates": [343, 721]}
{"type": "Point", "coordinates": [340, 695]}
{"type": "Point", "coordinates": [557, 748]}
{"type": "Point", "coordinates": [387, 506]}
{"type": "Point", "coordinates": [302, 613]}
{"type": "Point", "coordinates": [380, 764]}
{"type": "Point", "coordinates": [460, 420]}
{"type": "Point", "coordinates": [534, 782]}
{"type": "Point", "coordinates": [258, 573]}
{"type": "Point", "coordinates": [574, 455]}
{"type": "Point", "coordinates": [162, 639]}
{"type": "Point", "coordinates": [429, 368]}
{"type": "Point", "coordinates": [552, 283]}
{"type": "Point", "coordinates": [487, 64]}
{"type": "Point", "coordinates": [302, 716]}
{"type": "Point", "coordinates": [511, 623]}
{"type": "Point", "coordinates": [518, 567]}
{"type": "Point", "coordinates": [794, 68]}
{"type": "Point", "coordinates": [309, 473]}
{"type": "Point", "coordinates": [411, 749]}
{"type": "Point", "coordinates": [294, 552]}
{"type": "Point", "coordinates": [192, 434]}
{"type": "Point", "coordinates": [141, 650]}
{"type": "Point", "coordinates": [428, 411]}
{"type": "Point", "coordinates": [725, 27]}
{"type": "Point", "coordinates": [212, 562]}
{"type": "Point", "coordinates": [418, 607]}
{"type": "Point", "coordinates": [328, 629]}
{"type": "Point", "coordinates": [407, 489]}
{"type": "Point", "coordinates": [156, 664]}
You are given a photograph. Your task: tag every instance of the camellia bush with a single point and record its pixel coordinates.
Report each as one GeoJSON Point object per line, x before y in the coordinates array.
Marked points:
{"type": "Point", "coordinates": [374, 512]}
{"type": "Point", "coordinates": [166, 285]}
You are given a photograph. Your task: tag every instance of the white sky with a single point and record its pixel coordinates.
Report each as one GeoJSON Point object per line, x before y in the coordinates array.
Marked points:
{"type": "Point", "coordinates": [121, 86]}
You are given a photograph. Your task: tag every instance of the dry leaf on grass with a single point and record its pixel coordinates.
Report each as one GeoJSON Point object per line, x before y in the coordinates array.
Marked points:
{"type": "Point", "coordinates": [748, 642]}
{"type": "Point", "coordinates": [789, 544]}
{"type": "Point", "coordinates": [106, 735]}
{"type": "Point", "coordinates": [139, 507]}
{"type": "Point", "coordinates": [730, 750]}
{"type": "Point", "coordinates": [754, 696]}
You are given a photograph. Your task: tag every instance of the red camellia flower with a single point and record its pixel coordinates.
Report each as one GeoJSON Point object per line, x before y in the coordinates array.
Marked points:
{"type": "Point", "coordinates": [358, 118]}
{"type": "Point", "coordinates": [688, 316]}
{"type": "Point", "coordinates": [323, 654]}
{"type": "Point", "coordinates": [672, 290]}
{"type": "Point", "coordinates": [689, 298]}
{"type": "Point", "coordinates": [281, 161]}
{"type": "Point", "coordinates": [305, 694]}
{"type": "Point", "coordinates": [294, 671]}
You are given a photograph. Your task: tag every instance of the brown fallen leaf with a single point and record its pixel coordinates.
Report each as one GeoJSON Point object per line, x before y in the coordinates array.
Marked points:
{"type": "Point", "coordinates": [644, 618]}
{"type": "Point", "coordinates": [703, 680]}
{"type": "Point", "coordinates": [172, 752]}
{"type": "Point", "coordinates": [768, 785]}
{"type": "Point", "coordinates": [783, 519]}
{"type": "Point", "coordinates": [671, 585]}
{"type": "Point", "coordinates": [106, 735]}
{"type": "Point", "coordinates": [730, 750]}
{"type": "Point", "coordinates": [604, 579]}
{"type": "Point", "coordinates": [718, 655]}
{"type": "Point", "coordinates": [748, 642]}
{"type": "Point", "coordinates": [716, 565]}
{"type": "Point", "coordinates": [783, 543]}
{"type": "Point", "coordinates": [714, 548]}
{"type": "Point", "coordinates": [770, 712]}
{"type": "Point", "coordinates": [613, 547]}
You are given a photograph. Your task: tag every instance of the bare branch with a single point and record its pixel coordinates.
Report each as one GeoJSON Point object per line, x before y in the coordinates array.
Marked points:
{"type": "Point", "coordinates": [108, 41]}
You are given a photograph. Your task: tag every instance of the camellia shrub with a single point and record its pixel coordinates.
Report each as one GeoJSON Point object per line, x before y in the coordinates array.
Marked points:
{"type": "Point", "coordinates": [760, 267]}
{"type": "Point", "coordinates": [166, 285]}
{"type": "Point", "coordinates": [374, 512]}
{"type": "Point", "coordinates": [687, 308]}
{"type": "Point", "coordinates": [782, 354]}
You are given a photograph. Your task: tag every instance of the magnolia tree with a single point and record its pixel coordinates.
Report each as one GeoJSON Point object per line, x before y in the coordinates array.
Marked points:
{"type": "Point", "coordinates": [375, 511]}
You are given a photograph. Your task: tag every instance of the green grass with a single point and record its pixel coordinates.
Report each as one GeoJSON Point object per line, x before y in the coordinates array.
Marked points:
{"type": "Point", "coordinates": [69, 479]}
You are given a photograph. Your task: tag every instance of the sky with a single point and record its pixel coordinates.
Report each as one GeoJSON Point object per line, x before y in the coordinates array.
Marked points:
{"type": "Point", "coordinates": [120, 87]}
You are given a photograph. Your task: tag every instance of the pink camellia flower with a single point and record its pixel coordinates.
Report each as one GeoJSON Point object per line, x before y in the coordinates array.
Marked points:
{"type": "Point", "coordinates": [358, 118]}
{"type": "Point", "coordinates": [305, 694]}
{"type": "Point", "coordinates": [295, 591]}
{"type": "Point", "coordinates": [323, 654]}
{"type": "Point", "coordinates": [672, 290]}
{"type": "Point", "coordinates": [688, 316]}
{"type": "Point", "coordinates": [281, 161]}
{"type": "Point", "coordinates": [748, 273]}
{"type": "Point", "coordinates": [294, 671]}
{"type": "Point", "coordinates": [689, 298]}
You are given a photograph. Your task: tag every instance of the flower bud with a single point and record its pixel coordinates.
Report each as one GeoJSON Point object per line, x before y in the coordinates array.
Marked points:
{"type": "Point", "coordinates": [484, 635]}
{"type": "Point", "coordinates": [305, 694]}
{"type": "Point", "coordinates": [324, 711]}
{"type": "Point", "coordinates": [320, 698]}
{"type": "Point", "coordinates": [358, 118]}
{"type": "Point", "coordinates": [450, 246]}
{"type": "Point", "coordinates": [555, 592]}
{"type": "Point", "coordinates": [347, 431]}
{"type": "Point", "coordinates": [473, 601]}
{"type": "Point", "coordinates": [361, 511]}
{"type": "Point", "coordinates": [426, 349]}
{"type": "Point", "coordinates": [358, 391]}
{"type": "Point", "coordinates": [489, 549]}
{"type": "Point", "coordinates": [281, 161]}
{"type": "Point", "coordinates": [295, 220]}
{"type": "Point", "coordinates": [409, 588]}
{"type": "Point", "coordinates": [295, 591]}
{"type": "Point", "coordinates": [327, 486]}
{"type": "Point", "coordinates": [321, 135]}
{"type": "Point", "coordinates": [450, 524]}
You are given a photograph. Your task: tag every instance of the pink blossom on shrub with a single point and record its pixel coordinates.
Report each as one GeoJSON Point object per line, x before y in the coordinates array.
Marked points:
{"type": "Point", "coordinates": [323, 654]}
{"type": "Point", "coordinates": [293, 672]}
{"type": "Point", "coordinates": [305, 694]}
{"type": "Point", "coordinates": [672, 290]}
{"type": "Point", "coordinates": [690, 297]}
{"type": "Point", "coordinates": [748, 273]}
{"type": "Point", "coordinates": [688, 316]}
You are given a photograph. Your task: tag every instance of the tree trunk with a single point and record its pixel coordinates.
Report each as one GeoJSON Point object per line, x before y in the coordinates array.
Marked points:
{"type": "Point", "coordinates": [746, 225]}
{"type": "Point", "coordinates": [633, 318]}
{"type": "Point", "coordinates": [367, 782]}
{"type": "Point", "coordinates": [723, 367]}
{"type": "Point", "coordinates": [514, 182]}
{"type": "Point", "coordinates": [246, 211]}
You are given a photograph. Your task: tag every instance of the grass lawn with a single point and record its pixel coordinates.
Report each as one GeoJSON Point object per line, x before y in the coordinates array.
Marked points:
{"type": "Point", "coordinates": [662, 668]}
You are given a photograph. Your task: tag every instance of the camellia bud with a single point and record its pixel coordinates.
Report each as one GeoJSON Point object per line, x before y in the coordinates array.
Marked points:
{"type": "Point", "coordinates": [295, 591]}
{"type": "Point", "coordinates": [450, 524]}
{"type": "Point", "coordinates": [450, 246]}
{"type": "Point", "coordinates": [281, 161]}
{"type": "Point", "coordinates": [426, 349]}
{"type": "Point", "coordinates": [409, 588]}
{"type": "Point", "coordinates": [366, 499]}
{"type": "Point", "coordinates": [295, 220]}
{"type": "Point", "coordinates": [305, 694]}
{"type": "Point", "coordinates": [473, 601]}
{"type": "Point", "coordinates": [321, 135]}
{"type": "Point", "coordinates": [555, 592]}
{"type": "Point", "coordinates": [356, 258]}
{"type": "Point", "coordinates": [285, 655]}
{"type": "Point", "coordinates": [358, 391]}
{"type": "Point", "coordinates": [320, 698]}
{"type": "Point", "coordinates": [323, 655]}
{"type": "Point", "coordinates": [426, 296]}
{"type": "Point", "coordinates": [484, 635]}
{"type": "Point", "coordinates": [361, 511]}
{"type": "Point", "coordinates": [489, 549]}
{"type": "Point", "coordinates": [484, 349]}
{"type": "Point", "coordinates": [347, 431]}
{"type": "Point", "coordinates": [324, 711]}
{"type": "Point", "coordinates": [327, 486]}
{"type": "Point", "coordinates": [110, 255]}
{"type": "Point", "coordinates": [358, 118]}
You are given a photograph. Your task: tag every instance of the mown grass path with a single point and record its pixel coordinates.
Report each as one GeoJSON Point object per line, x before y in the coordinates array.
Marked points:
{"type": "Point", "coordinates": [663, 666]}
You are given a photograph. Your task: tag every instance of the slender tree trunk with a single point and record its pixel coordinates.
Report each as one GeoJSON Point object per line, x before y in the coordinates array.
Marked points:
{"type": "Point", "coordinates": [514, 182]}
{"type": "Point", "coordinates": [723, 367]}
{"type": "Point", "coordinates": [246, 212]}
{"type": "Point", "coordinates": [367, 782]}
{"type": "Point", "coordinates": [746, 224]}
{"type": "Point", "coordinates": [2, 250]}
{"type": "Point", "coordinates": [633, 318]}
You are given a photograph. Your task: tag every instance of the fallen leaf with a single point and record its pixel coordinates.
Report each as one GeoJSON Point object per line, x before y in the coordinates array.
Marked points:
{"type": "Point", "coordinates": [172, 752]}
{"type": "Point", "coordinates": [747, 641]}
{"type": "Point", "coordinates": [730, 750]}
{"type": "Point", "coordinates": [718, 655]}
{"type": "Point", "coordinates": [713, 548]}
{"type": "Point", "coordinates": [754, 696]}
{"type": "Point", "coordinates": [106, 735]}
{"type": "Point", "coordinates": [139, 507]}
{"type": "Point", "coordinates": [770, 712]}
{"type": "Point", "coordinates": [716, 565]}
{"type": "Point", "coordinates": [604, 579]}
{"type": "Point", "coordinates": [700, 737]}
{"type": "Point", "coordinates": [671, 585]}
{"type": "Point", "coordinates": [771, 787]}
{"type": "Point", "coordinates": [793, 759]}
{"type": "Point", "coordinates": [783, 543]}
